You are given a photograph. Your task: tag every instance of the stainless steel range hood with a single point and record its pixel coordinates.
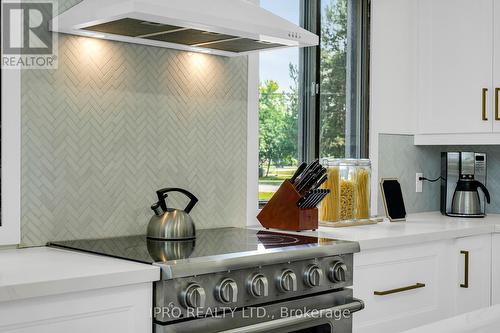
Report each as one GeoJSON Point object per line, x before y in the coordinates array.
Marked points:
{"type": "Point", "coordinates": [222, 27]}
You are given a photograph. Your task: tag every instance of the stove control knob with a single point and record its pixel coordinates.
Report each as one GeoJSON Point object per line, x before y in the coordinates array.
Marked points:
{"type": "Point", "coordinates": [313, 276]}
{"type": "Point", "coordinates": [287, 281]}
{"type": "Point", "coordinates": [338, 272]}
{"type": "Point", "coordinates": [227, 291]}
{"type": "Point", "coordinates": [193, 296]}
{"type": "Point", "coordinates": [258, 286]}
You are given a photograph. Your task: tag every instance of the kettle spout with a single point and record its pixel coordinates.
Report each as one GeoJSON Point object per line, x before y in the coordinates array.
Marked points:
{"type": "Point", "coordinates": [157, 209]}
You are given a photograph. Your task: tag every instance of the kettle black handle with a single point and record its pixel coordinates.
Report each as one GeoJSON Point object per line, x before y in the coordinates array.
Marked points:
{"type": "Point", "coordinates": [484, 189]}
{"type": "Point", "coordinates": [161, 198]}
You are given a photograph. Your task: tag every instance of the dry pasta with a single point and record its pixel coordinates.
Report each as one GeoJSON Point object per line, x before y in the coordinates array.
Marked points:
{"type": "Point", "coordinates": [362, 194]}
{"type": "Point", "coordinates": [346, 200]}
{"type": "Point", "coordinates": [329, 209]}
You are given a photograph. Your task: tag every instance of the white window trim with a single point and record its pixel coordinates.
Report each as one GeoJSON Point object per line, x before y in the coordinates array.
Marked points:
{"type": "Point", "coordinates": [10, 231]}
{"type": "Point", "coordinates": [253, 141]}
{"type": "Point", "coordinates": [253, 138]}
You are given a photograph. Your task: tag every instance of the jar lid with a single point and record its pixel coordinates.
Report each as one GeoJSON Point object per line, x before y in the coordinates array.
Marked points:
{"type": "Point", "coordinates": [364, 162]}
{"type": "Point", "coordinates": [329, 161]}
{"type": "Point", "coordinates": [346, 161]}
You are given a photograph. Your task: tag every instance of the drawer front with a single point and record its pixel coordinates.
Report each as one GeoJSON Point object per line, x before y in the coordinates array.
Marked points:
{"type": "Point", "coordinates": [401, 287]}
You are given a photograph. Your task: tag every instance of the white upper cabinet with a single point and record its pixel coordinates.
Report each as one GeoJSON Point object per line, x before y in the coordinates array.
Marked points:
{"type": "Point", "coordinates": [457, 71]}
{"type": "Point", "coordinates": [455, 65]}
{"type": "Point", "coordinates": [496, 67]}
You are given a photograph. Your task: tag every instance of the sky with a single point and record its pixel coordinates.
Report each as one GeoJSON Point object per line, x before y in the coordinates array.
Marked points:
{"type": "Point", "coordinates": [274, 64]}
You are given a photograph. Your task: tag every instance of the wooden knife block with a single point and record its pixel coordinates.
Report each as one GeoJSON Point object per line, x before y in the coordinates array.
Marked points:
{"type": "Point", "coordinates": [281, 211]}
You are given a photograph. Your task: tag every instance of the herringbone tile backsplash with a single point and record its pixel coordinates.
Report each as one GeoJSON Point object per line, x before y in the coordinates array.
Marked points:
{"type": "Point", "coordinates": [117, 121]}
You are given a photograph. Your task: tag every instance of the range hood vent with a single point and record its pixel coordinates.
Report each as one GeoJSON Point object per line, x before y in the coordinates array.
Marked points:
{"type": "Point", "coordinates": [223, 27]}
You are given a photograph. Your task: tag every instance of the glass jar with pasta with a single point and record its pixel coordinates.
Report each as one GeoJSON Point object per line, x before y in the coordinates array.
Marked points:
{"type": "Point", "coordinates": [349, 185]}
{"type": "Point", "coordinates": [329, 210]}
{"type": "Point", "coordinates": [362, 180]}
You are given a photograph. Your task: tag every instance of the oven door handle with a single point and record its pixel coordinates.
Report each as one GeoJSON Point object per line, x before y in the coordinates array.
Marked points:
{"type": "Point", "coordinates": [267, 326]}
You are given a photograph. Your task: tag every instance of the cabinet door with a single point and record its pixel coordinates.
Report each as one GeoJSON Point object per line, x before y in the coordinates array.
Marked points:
{"type": "Point", "coordinates": [454, 66]}
{"type": "Point", "coordinates": [496, 66]}
{"type": "Point", "coordinates": [402, 287]}
{"type": "Point", "coordinates": [125, 309]}
{"type": "Point", "coordinates": [495, 276]}
{"type": "Point", "coordinates": [472, 265]}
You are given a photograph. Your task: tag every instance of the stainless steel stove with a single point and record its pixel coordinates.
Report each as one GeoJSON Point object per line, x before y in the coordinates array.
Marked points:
{"type": "Point", "coordinates": [242, 280]}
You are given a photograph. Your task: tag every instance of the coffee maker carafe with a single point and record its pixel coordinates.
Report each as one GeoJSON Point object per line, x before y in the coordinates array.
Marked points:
{"type": "Point", "coordinates": [463, 173]}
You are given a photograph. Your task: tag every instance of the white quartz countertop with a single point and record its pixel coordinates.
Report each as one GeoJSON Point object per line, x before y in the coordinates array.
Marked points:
{"type": "Point", "coordinates": [486, 320]}
{"type": "Point", "coordinates": [422, 227]}
{"type": "Point", "coordinates": [44, 271]}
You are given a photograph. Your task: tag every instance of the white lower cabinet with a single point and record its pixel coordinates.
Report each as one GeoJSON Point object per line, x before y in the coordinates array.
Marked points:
{"type": "Point", "coordinates": [495, 275]}
{"type": "Point", "coordinates": [120, 309]}
{"type": "Point", "coordinates": [410, 286]}
{"type": "Point", "coordinates": [471, 258]}
{"type": "Point", "coordinates": [402, 287]}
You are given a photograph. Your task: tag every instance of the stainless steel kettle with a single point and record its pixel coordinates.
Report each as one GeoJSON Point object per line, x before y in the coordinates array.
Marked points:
{"type": "Point", "coordinates": [163, 250]}
{"type": "Point", "coordinates": [171, 223]}
{"type": "Point", "coordinates": [466, 200]}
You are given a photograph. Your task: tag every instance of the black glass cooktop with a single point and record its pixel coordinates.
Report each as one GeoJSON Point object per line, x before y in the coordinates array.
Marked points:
{"type": "Point", "coordinates": [208, 243]}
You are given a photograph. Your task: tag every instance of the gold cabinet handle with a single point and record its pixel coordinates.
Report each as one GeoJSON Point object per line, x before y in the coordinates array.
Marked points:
{"type": "Point", "coordinates": [485, 116]}
{"type": "Point", "coordinates": [399, 290]}
{"type": "Point", "coordinates": [466, 270]}
{"type": "Point", "coordinates": [497, 114]}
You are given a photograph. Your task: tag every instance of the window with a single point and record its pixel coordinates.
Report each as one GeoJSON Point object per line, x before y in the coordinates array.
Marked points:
{"type": "Point", "coordinates": [278, 107]}
{"type": "Point", "coordinates": [314, 101]}
{"type": "Point", "coordinates": [342, 113]}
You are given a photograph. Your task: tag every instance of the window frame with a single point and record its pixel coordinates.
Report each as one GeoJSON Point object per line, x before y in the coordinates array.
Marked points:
{"type": "Point", "coordinates": [310, 82]}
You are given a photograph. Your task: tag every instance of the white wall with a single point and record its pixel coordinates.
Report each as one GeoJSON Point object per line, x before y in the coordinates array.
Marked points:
{"type": "Point", "coordinates": [11, 157]}
{"type": "Point", "coordinates": [393, 75]}
{"type": "Point", "coordinates": [253, 138]}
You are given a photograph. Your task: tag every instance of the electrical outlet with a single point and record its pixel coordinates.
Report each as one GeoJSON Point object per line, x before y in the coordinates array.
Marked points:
{"type": "Point", "coordinates": [419, 183]}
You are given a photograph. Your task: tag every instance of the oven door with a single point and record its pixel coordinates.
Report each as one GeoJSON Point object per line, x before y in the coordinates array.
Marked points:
{"type": "Point", "coordinates": [323, 313]}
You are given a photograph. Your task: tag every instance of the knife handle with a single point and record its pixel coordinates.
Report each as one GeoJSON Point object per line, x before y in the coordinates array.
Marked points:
{"type": "Point", "coordinates": [302, 201]}
{"type": "Point", "coordinates": [308, 171]}
{"type": "Point", "coordinates": [320, 182]}
{"type": "Point", "coordinates": [317, 173]}
{"type": "Point", "coordinates": [297, 173]}
{"type": "Point", "coordinates": [322, 196]}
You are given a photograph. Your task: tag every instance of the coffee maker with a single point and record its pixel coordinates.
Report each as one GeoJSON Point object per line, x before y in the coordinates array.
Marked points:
{"type": "Point", "coordinates": [462, 174]}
